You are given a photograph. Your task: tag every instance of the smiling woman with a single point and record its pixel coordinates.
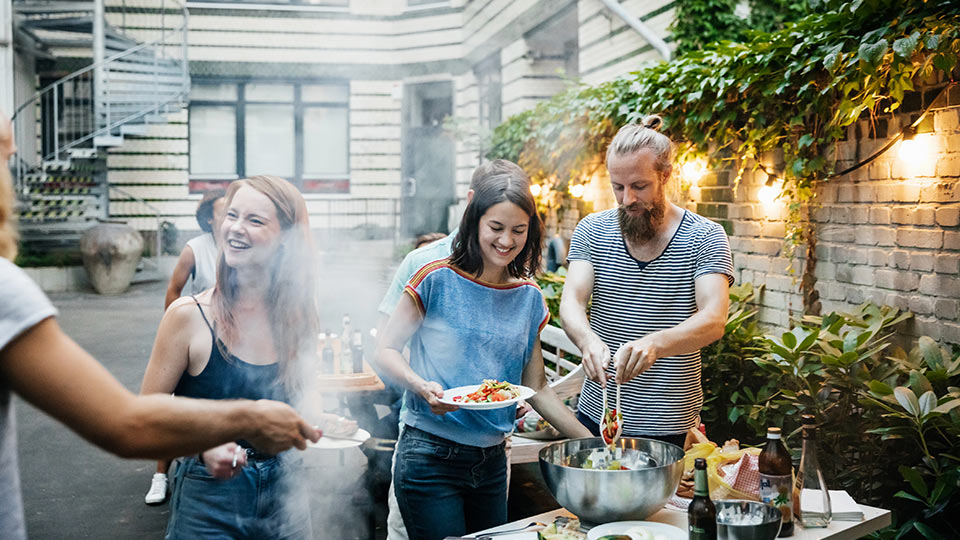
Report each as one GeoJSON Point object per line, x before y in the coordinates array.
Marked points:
{"type": "Point", "coordinates": [251, 336]}
{"type": "Point", "coordinates": [469, 318]}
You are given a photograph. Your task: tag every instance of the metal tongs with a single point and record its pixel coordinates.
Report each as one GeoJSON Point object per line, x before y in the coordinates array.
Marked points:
{"type": "Point", "coordinates": [617, 416]}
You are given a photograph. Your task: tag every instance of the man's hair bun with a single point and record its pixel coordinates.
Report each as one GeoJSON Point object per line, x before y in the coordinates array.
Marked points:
{"type": "Point", "coordinates": [653, 122]}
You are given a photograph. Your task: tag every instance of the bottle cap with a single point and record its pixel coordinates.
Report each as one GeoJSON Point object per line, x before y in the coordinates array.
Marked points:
{"type": "Point", "coordinates": [808, 420]}
{"type": "Point", "coordinates": [773, 433]}
{"type": "Point", "coordinates": [699, 463]}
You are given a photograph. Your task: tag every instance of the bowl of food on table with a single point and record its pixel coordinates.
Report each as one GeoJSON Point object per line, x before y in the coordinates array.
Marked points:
{"type": "Point", "coordinates": [599, 484]}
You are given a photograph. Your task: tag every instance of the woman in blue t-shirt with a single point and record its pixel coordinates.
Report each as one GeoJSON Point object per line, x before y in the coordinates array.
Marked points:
{"type": "Point", "coordinates": [474, 316]}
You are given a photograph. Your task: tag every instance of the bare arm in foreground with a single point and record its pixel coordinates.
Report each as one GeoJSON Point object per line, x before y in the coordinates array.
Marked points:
{"type": "Point", "coordinates": [49, 370]}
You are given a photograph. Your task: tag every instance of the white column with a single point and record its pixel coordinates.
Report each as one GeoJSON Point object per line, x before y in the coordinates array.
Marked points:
{"type": "Point", "coordinates": [6, 57]}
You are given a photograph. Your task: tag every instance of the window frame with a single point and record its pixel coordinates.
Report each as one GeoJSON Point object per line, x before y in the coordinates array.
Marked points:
{"type": "Point", "coordinates": [334, 183]}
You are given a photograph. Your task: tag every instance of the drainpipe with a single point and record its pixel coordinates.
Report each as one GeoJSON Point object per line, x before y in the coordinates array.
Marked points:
{"type": "Point", "coordinates": [99, 50]}
{"type": "Point", "coordinates": [642, 29]}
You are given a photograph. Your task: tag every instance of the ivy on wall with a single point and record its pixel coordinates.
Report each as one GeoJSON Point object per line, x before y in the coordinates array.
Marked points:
{"type": "Point", "coordinates": [793, 90]}
{"type": "Point", "coordinates": [698, 23]}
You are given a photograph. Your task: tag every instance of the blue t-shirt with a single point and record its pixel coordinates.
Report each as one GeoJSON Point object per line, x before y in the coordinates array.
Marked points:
{"type": "Point", "coordinates": [470, 331]}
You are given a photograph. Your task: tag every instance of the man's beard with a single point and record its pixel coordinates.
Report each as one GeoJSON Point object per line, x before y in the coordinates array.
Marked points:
{"type": "Point", "coordinates": [643, 222]}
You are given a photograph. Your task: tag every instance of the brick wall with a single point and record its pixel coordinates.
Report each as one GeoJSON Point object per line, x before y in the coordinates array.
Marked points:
{"type": "Point", "coordinates": [888, 232]}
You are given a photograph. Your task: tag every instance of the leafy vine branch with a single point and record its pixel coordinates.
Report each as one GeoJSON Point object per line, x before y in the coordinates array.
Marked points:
{"type": "Point", "coordinates": [793, 90]}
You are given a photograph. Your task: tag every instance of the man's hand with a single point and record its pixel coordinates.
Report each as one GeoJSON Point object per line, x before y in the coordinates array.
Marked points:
{"type": "Point", "coordinates": [224, 461]}
{"type": "Point", "coordinates": [431, 392]}
{"type": "Point", "coordinates": [635, 357]}
{"type": "Point", "coordinates": [278, 427]}
{"type": "Point", "coordinates": [596, 356]}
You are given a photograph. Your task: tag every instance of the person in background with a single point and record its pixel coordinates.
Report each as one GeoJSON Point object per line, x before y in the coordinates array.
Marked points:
{"type": "Point", "coordinates": [198, 260]}
{"type": "Point", "coordinates": [49, 370]}
{"type": "Point", "coordinates": [424, 253]}
{"type": "Point", "coordinates": [427, 239]}
{"type": "Point", "coordinates": [473, 316]}
{"type": "Point", "coordinates": [658, 277]}
{"type": "Point", "coordinates": [254, 335]}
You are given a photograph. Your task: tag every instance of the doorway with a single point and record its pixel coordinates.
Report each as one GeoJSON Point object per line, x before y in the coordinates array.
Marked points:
{"type": "Point", "coordinates": [428, 158]}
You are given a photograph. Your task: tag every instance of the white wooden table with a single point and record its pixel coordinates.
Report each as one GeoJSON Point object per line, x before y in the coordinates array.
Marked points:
{"type": "Point", "coordinates": [874, 519]}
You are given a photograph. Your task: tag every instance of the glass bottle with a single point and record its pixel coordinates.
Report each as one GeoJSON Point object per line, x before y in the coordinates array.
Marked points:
{"type": "Point", "coordinates": [326, 356]}
{"type": "Point", "coordinates": [356, 344]}
{"type": "Point", "coordinates": [701, 514]}
{"type": "Point", "coordinates": [811, 499]}
{"type": "Point", "coordinates": [334, 353]}
{"type": "Point", "coordinates": [776, 478]}
{"type": "Point", "coordinates": [346, 354]}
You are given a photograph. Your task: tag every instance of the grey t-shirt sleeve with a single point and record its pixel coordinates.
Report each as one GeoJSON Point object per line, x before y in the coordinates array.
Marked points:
{"type": "Point", "coordinates": [22, 303]}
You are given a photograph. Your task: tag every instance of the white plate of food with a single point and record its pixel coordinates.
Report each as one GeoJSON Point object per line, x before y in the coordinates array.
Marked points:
{"type": "Point", "coordinates": [356, 438]}
{"type": "Point", "coordinates": [490, 394]}
{"type": "Point", "coordinates": [638, 530]}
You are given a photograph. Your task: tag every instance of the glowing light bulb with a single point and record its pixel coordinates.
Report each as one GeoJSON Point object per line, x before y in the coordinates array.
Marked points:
{"type": "Point", "coordinates": [768, 193]}
{"type": "Point", "coordinates": [693, 170]}
{"type": "Point", "coordinates": [909, 149]}
{"type": "Point", "coordinates": [576, 190]}
{"type": "Point", "coordinates": [535, 189]}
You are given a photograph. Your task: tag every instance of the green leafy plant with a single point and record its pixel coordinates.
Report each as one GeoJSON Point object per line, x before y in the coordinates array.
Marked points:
{"type": "Point", "coordinates": [727, 368]}
{"type": "Point", "coordinates": [551, 285]}
{"type": "Point", "coordinates": [793, 90]}
{"type": "Point", "coordinates": [921, 409]}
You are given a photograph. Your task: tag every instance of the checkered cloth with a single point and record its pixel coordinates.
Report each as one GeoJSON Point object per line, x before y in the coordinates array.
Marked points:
{"type": "Point", "coordinates": [743, 475]}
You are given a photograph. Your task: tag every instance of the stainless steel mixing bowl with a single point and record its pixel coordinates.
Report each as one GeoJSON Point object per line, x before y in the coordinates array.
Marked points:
{"type": "Point", "coordinates": [766, 520]}
{"type": "Point", "coordinates": [602, 496]}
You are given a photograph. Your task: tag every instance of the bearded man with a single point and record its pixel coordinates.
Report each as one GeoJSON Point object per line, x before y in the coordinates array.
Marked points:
{"type": "Point", "coordinates": [658, 277]}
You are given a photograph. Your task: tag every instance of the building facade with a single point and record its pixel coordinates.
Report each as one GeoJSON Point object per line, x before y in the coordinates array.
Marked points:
{"type": "Point", "coordinates": [377, 109]}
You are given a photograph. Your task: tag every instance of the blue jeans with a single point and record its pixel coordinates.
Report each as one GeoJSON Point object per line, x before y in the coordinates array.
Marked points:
{"type": "Point", "coordinates": [594, 428]}
{"type": "Point", "coordinates": [445, 488]}
{"type": "Point", "coordinates": [256, 503]}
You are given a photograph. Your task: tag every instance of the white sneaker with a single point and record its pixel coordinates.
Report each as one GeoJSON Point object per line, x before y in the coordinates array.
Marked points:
{"type": "Point", "coordinates": [158, 489]}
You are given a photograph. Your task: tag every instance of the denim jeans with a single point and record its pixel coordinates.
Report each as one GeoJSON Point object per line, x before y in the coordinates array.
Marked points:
{"type": "Point", "coordinates": [256, 503]}
{"type": "Point", "coordinates": [594, 428]}
{"type": "Point", "coordinates": [448, 489]}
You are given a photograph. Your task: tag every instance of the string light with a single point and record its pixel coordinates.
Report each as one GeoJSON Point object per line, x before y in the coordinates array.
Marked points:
{"type": "Point", "coordinates": [693, 170]}
{"type": "Point", "coordinates": [576, 190]}
{"type": "Point", "coordinates": [909, 150]}
{"type": "Point", "coordinates": [535, 190]}
{"type": "Point", "coordinates": [768, 192]}
{"type": "Point", "coordinates": [909, 145]}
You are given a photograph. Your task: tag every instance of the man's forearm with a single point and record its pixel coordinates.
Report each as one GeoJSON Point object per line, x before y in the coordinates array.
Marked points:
{"type": "Point", "coordinates": [691, 335]}
{"type": "Point", "coordinates": [575, 323]}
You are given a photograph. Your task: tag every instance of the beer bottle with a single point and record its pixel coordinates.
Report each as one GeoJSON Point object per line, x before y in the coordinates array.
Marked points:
{"type": "Point", "coordinates": [326, 355]}
{"type": "Point", "coordinates": [776, 478]}
{"type": "Point", "coordinates": [356, 344]}
{"type": "Point", "coordinates": [701, 514]}
{"type": "Point", "coordinates": [811, 500]}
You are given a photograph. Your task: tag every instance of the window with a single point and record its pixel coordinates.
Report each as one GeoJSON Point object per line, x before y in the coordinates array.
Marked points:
{"type": "Point", "coordinates": [298, 131]}
{"type": "Point", "coordinates": [488, 85]}
{"type": "Point", "coordinates": [323, 3]}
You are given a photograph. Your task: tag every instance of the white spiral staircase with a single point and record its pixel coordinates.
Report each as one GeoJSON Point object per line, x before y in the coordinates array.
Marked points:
{"type": "Point", "coordinates": [134, 71]}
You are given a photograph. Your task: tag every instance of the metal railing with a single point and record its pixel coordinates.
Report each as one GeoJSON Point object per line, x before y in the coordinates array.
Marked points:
{"type": "Point", "coordinates": [97, 99]}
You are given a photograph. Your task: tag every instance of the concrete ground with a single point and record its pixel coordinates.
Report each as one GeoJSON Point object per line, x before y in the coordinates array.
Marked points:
{"type": "Point", "coordinates": [72, 489]}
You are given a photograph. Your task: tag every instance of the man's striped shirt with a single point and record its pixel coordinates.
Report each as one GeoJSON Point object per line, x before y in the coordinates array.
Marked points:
{"type": "Point", "coordinates": [632, 299]}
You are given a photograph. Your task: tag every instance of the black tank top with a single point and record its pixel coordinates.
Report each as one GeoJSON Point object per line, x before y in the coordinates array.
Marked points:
{"type": "Point", "coordinates": [230, 377]}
